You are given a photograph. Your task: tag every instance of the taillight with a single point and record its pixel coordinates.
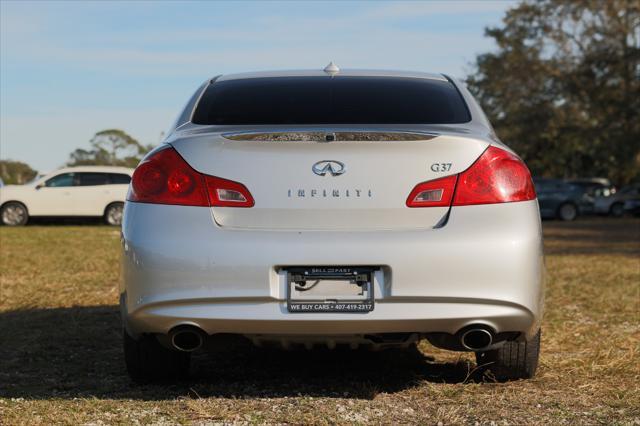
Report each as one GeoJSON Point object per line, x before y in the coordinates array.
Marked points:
{"type": "Point", "coordinates": [496, 177]}
{"type": "Point", "coordinates": [165, 178]}
{"type": "Point", "coordinates": [434, 193]}
{"type": "Point", "coordinates": [227, 193]}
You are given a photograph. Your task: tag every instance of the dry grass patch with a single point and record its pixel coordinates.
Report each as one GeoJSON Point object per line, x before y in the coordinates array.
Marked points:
{"type": "Point", "coordinates": [61, 357]}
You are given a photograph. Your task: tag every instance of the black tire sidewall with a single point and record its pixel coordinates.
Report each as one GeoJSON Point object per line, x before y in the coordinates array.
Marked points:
{"type": "Point", "coordinates": [505, 366]}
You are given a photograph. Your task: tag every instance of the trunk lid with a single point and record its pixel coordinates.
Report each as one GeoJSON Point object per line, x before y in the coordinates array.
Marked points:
{"type": "Point", "coordinates": [358, 181]}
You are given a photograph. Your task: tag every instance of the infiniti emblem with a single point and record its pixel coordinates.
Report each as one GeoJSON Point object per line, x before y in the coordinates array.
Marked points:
{"type": "Point", "coordinates": [335, 168]}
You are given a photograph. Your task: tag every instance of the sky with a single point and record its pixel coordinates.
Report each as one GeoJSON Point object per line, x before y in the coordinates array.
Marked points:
{"type": "Point", "coordinates": [71, 69]}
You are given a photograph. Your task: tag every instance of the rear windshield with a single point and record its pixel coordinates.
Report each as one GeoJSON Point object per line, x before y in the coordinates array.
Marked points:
{"type": "Point", "coordinates": [331, 100]}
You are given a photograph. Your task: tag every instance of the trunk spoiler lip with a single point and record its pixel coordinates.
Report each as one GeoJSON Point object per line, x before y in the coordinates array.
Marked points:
{"type": "Point", "coordinates": [330, 135]}
{"type": "Point", "coordinates": [244, 132]}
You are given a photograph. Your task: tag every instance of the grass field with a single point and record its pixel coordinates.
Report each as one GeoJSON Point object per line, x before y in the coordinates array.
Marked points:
{"type": "Point", "coordinates": [61, 361]}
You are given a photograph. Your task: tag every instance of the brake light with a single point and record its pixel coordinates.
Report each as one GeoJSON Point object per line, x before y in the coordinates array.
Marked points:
{"type": "Point", "coordinates": [434, 193]}
{"type": "Point", "coordinates": [166, 178]}
{"type": "Point", "coordinates": [496, 177]}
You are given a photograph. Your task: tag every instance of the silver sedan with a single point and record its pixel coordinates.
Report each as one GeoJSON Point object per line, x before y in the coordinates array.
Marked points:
{"type": "Point", "coordinates": [332, 207]}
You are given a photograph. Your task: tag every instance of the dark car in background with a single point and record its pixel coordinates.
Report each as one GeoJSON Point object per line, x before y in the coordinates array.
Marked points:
{"type": "Point", "coordinates": [562, 200]}
{"type": "Point", "coordinates": [614, 204]}
{"type": "Point", "coordinates": [595, 187]}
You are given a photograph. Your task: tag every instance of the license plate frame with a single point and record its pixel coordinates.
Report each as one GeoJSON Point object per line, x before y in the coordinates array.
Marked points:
{"type": "Point", "coordinates": [357, 275]}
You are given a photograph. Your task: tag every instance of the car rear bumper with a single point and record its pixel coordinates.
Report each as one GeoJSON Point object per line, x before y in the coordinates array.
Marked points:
{"type": "Point", "coordinates": [485, 266]}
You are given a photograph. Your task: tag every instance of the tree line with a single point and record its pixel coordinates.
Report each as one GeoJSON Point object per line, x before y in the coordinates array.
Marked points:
{"type": "Point", "coordinates": [562, 88]}
{"type": "Point", "coordinates": [111, 147]}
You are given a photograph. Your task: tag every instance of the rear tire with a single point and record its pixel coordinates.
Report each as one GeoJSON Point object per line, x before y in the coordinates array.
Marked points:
{"type": "Point", "coordinates": [513, 360]}
{"type": "Point", "coordinates": [14, 214]}
{"type": "Point", "coordinates": [113, 214]}
{"type": "Point", "coordinates": [148, 361]}
{"type": "Point", "coordinates": [567, 212]}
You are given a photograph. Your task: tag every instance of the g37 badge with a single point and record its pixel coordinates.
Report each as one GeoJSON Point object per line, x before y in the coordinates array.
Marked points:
{"type": "Point", "coordinates": [440, 167]}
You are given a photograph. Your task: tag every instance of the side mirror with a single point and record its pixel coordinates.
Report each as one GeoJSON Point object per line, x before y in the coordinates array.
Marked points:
{"type": "Point", "coordinates": [40, 185]}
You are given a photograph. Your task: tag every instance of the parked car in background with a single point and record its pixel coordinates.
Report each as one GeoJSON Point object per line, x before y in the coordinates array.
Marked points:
{"type": "Point", "coordinates": [594, 187]}
{"type": "Point", "coordinates": [89, 191]}
{"type": "Point", "coordinates": [614, 204]}
{"type": "Point", "coordinates": [562, 200]}
{"type": "Point", "coordinates": [1, 183]}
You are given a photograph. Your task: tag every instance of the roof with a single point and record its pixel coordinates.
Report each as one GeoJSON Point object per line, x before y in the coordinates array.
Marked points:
{"type": "Point", "coordinates": [342, 72]}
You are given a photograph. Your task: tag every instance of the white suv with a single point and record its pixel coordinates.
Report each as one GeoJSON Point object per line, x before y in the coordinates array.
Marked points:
{"type": "Point", "coordinates": [87, 191]}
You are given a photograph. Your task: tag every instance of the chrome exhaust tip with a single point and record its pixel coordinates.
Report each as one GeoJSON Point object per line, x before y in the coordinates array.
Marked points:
{"type": "Point", "coordinates": [476, 339]}
{"type": "Point", "coordinates": [187, 339]}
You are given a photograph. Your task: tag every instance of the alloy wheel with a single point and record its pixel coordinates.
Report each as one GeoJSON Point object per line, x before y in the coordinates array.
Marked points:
{"type": "Point", "coordinates": [14, 215]}
{"type": "Point", "coordinates": [114, 215]}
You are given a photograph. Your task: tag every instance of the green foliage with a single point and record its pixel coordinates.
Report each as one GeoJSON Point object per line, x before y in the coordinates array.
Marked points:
{"type": "Point", "coordinates": [563, 87]}
{"type": "Point", "coordinates": [112, 147]}
{"type": "Point", "coordinates": [16, 172]}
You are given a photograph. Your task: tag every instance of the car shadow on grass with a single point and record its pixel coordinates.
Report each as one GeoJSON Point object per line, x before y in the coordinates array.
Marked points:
{"type": "Point", "coordinates": [77, 353]}
{"type": "Point", "coordinates": [66, 221]}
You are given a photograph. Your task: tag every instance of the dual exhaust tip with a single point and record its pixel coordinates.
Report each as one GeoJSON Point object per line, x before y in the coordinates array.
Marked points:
{"type": "Point", "coordinates": [190, 338]}
{"type": "Point", "coordinates": [476, 338]}
{"type": "Point", "coordinates": [186, 338]}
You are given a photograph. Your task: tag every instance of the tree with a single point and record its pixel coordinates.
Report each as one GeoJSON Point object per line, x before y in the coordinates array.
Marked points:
{"type": "Point", "coordinates": [563, 87]}
{"type": "Point", "coordinates": [112, 147]}
{"type": "Point", "coordinates": [16, 172]}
